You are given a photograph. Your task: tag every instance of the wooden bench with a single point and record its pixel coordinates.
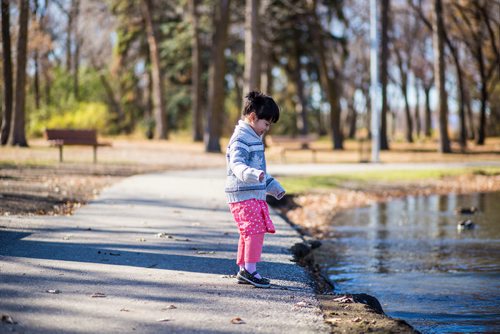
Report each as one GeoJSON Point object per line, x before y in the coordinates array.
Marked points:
{"type": "Point", "coordinates": [293, 143]}
{"type": "Point", "coordinates": [61, 137]}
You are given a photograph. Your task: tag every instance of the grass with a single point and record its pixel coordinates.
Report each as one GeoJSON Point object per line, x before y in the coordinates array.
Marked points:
{"type": "Point", "coordinates": [298, 184]}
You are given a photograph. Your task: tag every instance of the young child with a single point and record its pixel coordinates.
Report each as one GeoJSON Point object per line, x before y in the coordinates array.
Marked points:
{"type": "Point", "coordinates": [247, 184]}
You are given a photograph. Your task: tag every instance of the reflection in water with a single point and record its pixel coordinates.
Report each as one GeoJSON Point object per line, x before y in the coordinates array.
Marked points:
{"type": "Point", "coordinates": [410, 255]}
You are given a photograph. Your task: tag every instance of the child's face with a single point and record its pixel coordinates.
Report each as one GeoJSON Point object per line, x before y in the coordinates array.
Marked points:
{"type": "Point", "coordinates": [260, 126]}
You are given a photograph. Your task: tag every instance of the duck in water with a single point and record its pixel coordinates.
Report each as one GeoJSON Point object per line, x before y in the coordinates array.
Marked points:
{"type": "Point", "coordinates": [466, 210]}
{"type": "Point", "coordinates": [466, 225]}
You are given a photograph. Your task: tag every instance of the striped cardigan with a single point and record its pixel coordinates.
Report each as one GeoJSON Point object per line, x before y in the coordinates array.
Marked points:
{"type": "Point", "coordinates": [245, 162]}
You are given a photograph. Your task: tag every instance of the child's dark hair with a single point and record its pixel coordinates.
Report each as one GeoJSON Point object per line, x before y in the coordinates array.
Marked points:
{"type": "Point", "coordinates": [263, 106]}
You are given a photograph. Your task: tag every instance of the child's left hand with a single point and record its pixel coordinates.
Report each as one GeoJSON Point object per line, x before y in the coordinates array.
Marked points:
{"type": "Point", "coordinates": [261, 177]}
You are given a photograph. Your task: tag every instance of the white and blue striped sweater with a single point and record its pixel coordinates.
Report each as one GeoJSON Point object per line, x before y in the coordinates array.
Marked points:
{"type": "Point", "coordinates": [245, 162]}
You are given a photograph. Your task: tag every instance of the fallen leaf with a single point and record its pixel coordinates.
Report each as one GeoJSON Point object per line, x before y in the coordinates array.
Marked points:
{"type": "Point", "coordinates": [182, 239]}
{"type": "Point", "coordinates": [99, 295]}
{"type": "Point", "coordinates": [141, 239]}
{"type": "Point", "coordinates": [163, 320]}
{"type": "Point", "coordinates": [169, 307]}
{"type": "Point", "coordinates": [237, 321]}
{"type": "Point", "coordinates": [302, 304]}
{"type": "Point", "coordinates": [333, 320]}
{"type": "Point", "coordinates": [53, 291]}
{"type": "Point", "coordinates": [124, 310]}
{"type": "Point", "coordinates": [344, 299]}
{"type": "Point", "coordinates": [8, 319]}
{"type": "Point", "coordinates": [164, 235]}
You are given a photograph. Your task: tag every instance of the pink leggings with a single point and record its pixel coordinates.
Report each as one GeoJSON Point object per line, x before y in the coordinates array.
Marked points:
{"type": "Point", "coordinates": [250, 248]}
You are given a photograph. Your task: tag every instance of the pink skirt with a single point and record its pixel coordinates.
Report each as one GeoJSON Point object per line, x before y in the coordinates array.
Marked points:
{"type": "Point", "coordinates": [252, 217]}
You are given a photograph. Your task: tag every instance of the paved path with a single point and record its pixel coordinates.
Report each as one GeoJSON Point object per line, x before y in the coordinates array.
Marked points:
{"type": "Point", "coordinates": [112, 273]}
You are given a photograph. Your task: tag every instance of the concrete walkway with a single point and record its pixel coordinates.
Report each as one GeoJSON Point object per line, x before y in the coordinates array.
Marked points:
{"type": "Point", "coordinates": [153, 254]}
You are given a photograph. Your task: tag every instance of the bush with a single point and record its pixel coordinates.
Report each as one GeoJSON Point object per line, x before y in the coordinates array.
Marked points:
{"type": "Point", "coordinates": [82, 115]}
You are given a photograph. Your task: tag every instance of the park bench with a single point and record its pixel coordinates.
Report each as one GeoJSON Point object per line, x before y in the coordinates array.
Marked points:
{"type": "Point", "coordinates": [293, 143]}
{"type": "Point", "coordinates": [62, 137]}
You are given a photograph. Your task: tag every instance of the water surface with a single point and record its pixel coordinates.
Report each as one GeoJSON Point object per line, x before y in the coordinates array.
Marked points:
{"type": "Point", "coordinates": [410, 255]}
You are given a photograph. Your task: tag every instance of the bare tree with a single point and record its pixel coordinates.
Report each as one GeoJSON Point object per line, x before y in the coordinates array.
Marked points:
{"type": "Point", "coordinates": [18, 134]}
{"type": "Point", "coordinates": [7, 74]}
{"type": "Point", "coordinates": [477, 32]}
{"type": "Point", "coordinates": [328, 74]}
{"type": "Point", "coordinates": [161, 130]}
{"type": "Point", "coordinates": [216, 77]}
{"type": "Point", "coordinates": [439, 76]}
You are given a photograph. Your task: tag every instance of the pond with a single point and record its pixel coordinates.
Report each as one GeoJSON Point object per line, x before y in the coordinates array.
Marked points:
{"type": "Point", "coordinates": [411, 256]}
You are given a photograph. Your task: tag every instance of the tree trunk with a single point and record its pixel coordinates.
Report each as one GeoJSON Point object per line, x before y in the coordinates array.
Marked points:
{"type": "Point", "coordinates": [351, 119]}
{"type": "Point", "coordinates": [251, 74]}
{"type": "Point", "coordinates": [404, 91]}
{"type": "Point", "coordinates": [439, 76]}
{"type": "Point", "coordinates": [481, 130]}
{"type": "Point", "coordinates": [18, 135]}
{"type": "Point", "coordinates": [76, 54]}
{"type": "Point", "coordinates": [428, 113]}
{"type": "Point", "coordinates": [470, 117]}
{"type": "Point", "coordinates": [7, 74]}
{"type": "Point", "coordinates": [216, 77]}
{"type": "Point", "coordinates": [69, 33]}
{"type": "Point", "coordinates": [300, 103]}
{"type": "Point", "coordinates": [196, 81]}
{"type": "Point", "coordinates": [161, 129]}
{"type": "Point", "coordinates": [418, 124]}
{"type": "Point", "coordinates": [384, 59]}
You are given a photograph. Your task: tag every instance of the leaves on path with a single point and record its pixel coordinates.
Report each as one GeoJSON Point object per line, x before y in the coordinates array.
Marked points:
{"type": "Point", "coordinates": [237, 321]}
{"type": "Point", "coordinates": [54, 291]}
{"type": "Point", "coordinates": [99, 295]}
{"type": "Point", "coordinates": [164, 235]}
{"type": "Point", "coordinates": [205, 252]}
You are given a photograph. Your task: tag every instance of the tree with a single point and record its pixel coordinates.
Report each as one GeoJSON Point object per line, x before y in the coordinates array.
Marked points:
{"type": "Point", "coordinates": [196, 71]}
{"type": "Point", "coordinates": [477, 32]}
{"type": "Point", "coordinates": [161, 130]}
{"type": "Point", "coordinates": [7, 74]}
{"type": "Point", "coordinates": [439, 68]}
{"type": "Point", "coordinates": [328, 74]}
{"type": "Point", "coordinates": [18, 134]}
{"type": "Point", "coordinates": [216, 77]}
{"type": "Point", "coordinates": [384, 59]}
{"type": "Point", "coordinates": [252, 47]}
{"type": "Point", "coordinates": [403, 50]}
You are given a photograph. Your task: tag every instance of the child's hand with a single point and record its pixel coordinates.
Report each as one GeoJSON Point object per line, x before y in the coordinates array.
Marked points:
{"type": "Point", "coordinates": [261, 177]}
